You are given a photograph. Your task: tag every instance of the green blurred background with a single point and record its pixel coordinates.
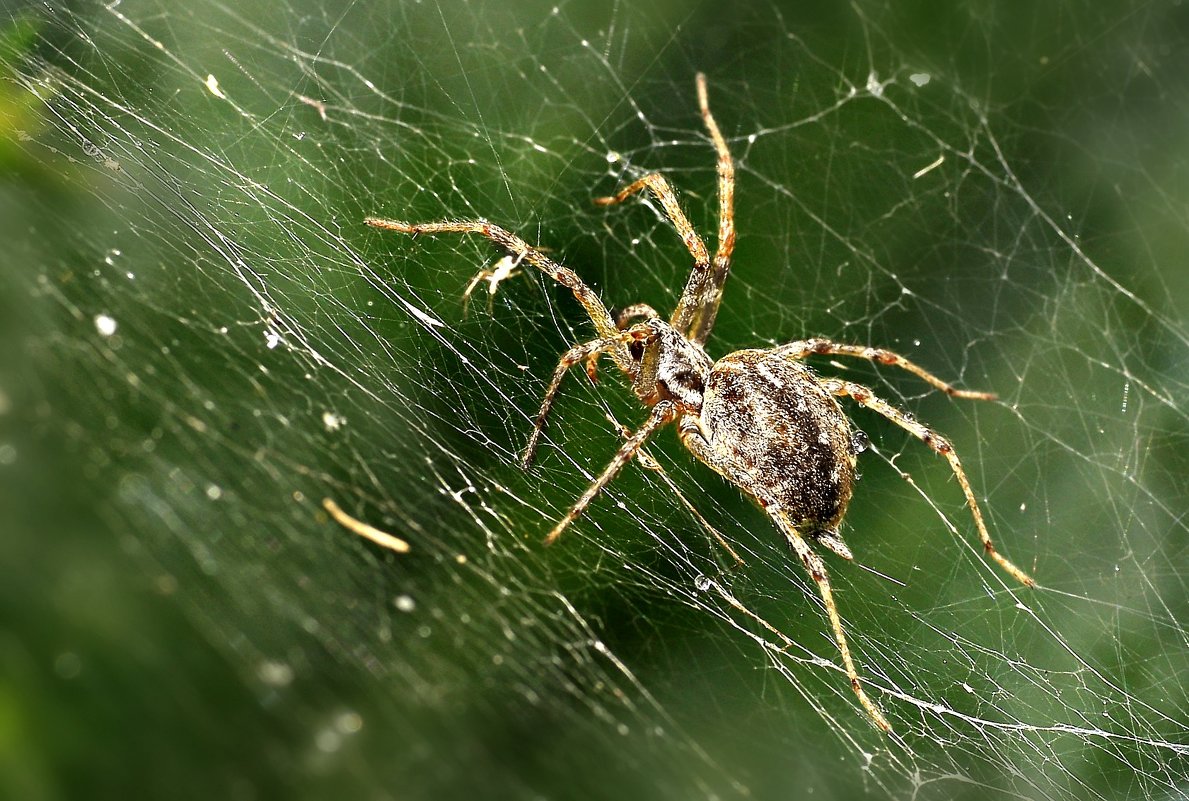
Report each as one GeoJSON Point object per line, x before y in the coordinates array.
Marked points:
{"type": "Point", "coordinates": [199, 342]}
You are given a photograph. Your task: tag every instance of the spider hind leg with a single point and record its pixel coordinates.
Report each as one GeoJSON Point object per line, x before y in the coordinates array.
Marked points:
{"type": "Point", "coordinates": [692, 436]}
{"type": "Point", "coordinates": [860, 394]}
{"type": "Point", "coordinates": [817, 571]}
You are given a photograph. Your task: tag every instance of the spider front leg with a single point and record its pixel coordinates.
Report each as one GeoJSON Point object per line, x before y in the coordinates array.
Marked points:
{"type": "Point", "coordinates": [522, 251]}
{"type": "Point", "coordinates": [942, 446]}
{"type": "Point", "coordinates": [698, 307]}
{"type": "Point", "coordinates": [695, 313]}
{"type": "Point", "coordinates": [663, 192]}
{"type": "Point", "coordinates": [664, 412]}
{"type": "Point", "coordinates": [826, 347]}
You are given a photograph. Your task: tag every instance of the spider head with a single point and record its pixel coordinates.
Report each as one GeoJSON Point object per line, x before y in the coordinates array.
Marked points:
{"type": "Point", "coordinates": [669, 366]}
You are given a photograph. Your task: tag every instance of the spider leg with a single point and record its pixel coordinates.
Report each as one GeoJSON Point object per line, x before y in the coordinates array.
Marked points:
{"type": "Point", "coordinates": [818, 346]}
{"type": "Point", "coordinates": [698, 307]}
{"type": "Point", "coordinates": [942, 446]}
{"type": "Point", "coordinates": [587, 350]}
{"type": "Point", "coordinates": [626, 314]}
{"type": "Point", "coordinates": [663, 192]}
{"type": "Point", "coordinates": [522, 251]}
{"type": "Point", "coordinates": [693, 437]}
{"type": "Point", "coordinates": [663, 412]}
{"type": "Point", "coordinates": [634, 311]}
{"type": "Point", "coordinates": [817, 571]}
{"type": "Point", "coordinates": [647, 461]}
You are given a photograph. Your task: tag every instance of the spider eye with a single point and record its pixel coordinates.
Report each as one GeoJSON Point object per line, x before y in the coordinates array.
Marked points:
{"type": "Point", "coordinates": [636, 348]}
{"type": "Point", "coordinates": [688, 380]}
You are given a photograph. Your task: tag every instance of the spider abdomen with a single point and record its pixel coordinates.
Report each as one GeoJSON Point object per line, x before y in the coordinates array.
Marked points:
{"type": "Point", "coordinates": [786, 437]}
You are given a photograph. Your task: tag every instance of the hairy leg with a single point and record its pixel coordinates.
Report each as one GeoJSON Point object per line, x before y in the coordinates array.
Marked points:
{"type": "Point", "coordinates": [523, 251]}
{"type": "Point", "coordinates": [942, 446]}
{"type": "Point", "coordinates": [663, 412]}
{"type": "Point", "coordinates": [826, 347]}
{"type": "Point", "coordinates": [694, 439]}
{"type": "Point", "coordinates": [817, 571]}
{"type": "Point", "coordinates": [587, 350]}
{"type": "Point", "coordinates": [703, 293]}
{"type": "Point", "coordinates": [663, 192]}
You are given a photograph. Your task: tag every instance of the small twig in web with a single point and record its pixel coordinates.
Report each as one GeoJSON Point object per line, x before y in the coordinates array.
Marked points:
{"type": "Point", "coordinates": [923, 171]}
{"type": "Point", "coordinates": [381, 538]}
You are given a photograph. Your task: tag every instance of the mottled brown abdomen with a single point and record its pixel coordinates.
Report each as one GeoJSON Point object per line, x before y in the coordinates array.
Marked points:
{"type": "Point", "coordinates": [787, 438]}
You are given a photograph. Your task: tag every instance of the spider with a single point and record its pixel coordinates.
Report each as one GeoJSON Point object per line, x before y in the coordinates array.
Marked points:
{"type": "Point", "coordinates": [760, 418]}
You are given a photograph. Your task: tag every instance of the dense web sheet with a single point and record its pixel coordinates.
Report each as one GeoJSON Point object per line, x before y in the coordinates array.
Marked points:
{"type": "Point", "coordinates": [209, 342]}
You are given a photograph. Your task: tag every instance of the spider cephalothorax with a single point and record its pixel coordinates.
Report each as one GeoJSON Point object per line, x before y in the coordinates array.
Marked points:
{"type": "Point", "coordinates": [760, 418]}
{"type": "Point", "coordinates": [671, 367]}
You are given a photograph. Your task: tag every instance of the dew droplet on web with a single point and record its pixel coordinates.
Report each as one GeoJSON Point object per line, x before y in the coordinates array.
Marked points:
{"type": "Point", "coordinates": [274, 674]}
{"type": "Point", "coordinates": [404, 603]}
{"type": "Point", "coordinates": [873, 85]}
{"type": "Point", "coordinates": [105, 325]}
{"type": "Point", "coordinates": [348, 722]}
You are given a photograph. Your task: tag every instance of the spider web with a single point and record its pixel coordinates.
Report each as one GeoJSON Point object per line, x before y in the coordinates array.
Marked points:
{"type": "Point", "coordinates": [202, 342]}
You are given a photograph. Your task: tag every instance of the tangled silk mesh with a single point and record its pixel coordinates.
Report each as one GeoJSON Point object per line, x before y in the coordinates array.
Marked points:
{"type": "Point", "coordinates": [240, 346]}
